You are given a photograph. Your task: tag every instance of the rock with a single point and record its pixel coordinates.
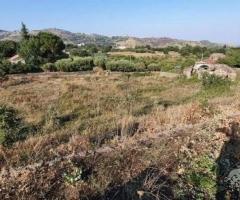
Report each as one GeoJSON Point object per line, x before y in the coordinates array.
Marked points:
{"type": "Point", "coordinates": [215, 57]}
{"type": "Point", "coordinates": [98, 71]}
{"type": "Point", "coordinates": [188, 72]}
{"type": "Point", "coordinates": [220, 70]}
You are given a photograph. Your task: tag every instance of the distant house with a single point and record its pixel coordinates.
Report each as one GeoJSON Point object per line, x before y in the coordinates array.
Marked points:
{"type": "Point", "coordinates": [16, 59]}
{"type": "Point", "coordinates": [121, 47]}
{"type": "Point", "coordinates": [81, 44]}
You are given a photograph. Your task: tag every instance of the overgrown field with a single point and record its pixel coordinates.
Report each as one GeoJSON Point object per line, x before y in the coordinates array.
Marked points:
{"type": "Point", "coordinates": [116, 136]}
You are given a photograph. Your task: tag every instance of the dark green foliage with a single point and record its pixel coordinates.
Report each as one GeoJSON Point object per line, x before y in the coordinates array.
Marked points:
{"type": "Point", "coordinates": [43, 48]}
{"type": "Point", "coordinates": [8, 68]}
{"type": "Point", "coordinates": [8, 48]}
{"type": "Point", "coordinates": [11, 127]}
{"type": "Point", "coordinates": [4, 68]}
{"type": "Point", "coordinates": [24, 32]}
{"type": "Point", "coordinates": [51, 46]}
{"type": "Point", "coordinates": [79, 52]}
{"type": "Point", "coordinates": [30, 50]}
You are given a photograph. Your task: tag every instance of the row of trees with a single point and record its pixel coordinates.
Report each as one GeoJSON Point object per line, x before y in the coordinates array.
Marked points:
{"type": "Point", "coordinates": [187, 50]}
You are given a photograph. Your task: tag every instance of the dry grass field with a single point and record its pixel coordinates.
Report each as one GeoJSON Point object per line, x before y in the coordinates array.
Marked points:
{"type": "Point", "coordinates": [117, 136]}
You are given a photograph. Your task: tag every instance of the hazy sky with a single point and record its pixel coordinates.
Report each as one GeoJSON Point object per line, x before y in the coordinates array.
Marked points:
{"type": "Point", "coordinates": [215, 20]}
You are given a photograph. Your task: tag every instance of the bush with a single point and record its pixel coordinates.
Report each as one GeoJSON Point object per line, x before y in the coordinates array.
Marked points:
{"type": "Point", "coordinates": [8, 48]}
{"type": "Point", "coordinates": [75, 64]}
{"type": "Point", "coordinates": [154, 67]}
{"type": "Point", "coordinates": [100, 61]}
{"type": "Point", "coordinates": [211, 80]}
{"type": "Point", "coordinates": [4, 68]}
{"type": "Point", "coordinates": [121, 65]}
{"type": "Point", "coordinates": [232, 58]}
{"type": "Point", "coordinates": [79, 52]}
{"type": "Point", "coordinates": [49, 67]}
{"type": "Point", "coordinates": [63, 64]}
{"type": "Point", "coordinates": [83, 63]}
{"type": "Point", "coordinates": [140, 67]}
{"type": "Point", "coordinates": [11, 127]}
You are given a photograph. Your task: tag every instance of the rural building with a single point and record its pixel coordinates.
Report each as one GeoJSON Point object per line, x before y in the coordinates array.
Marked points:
{"type": "Point", "coordinates": [16, 59]}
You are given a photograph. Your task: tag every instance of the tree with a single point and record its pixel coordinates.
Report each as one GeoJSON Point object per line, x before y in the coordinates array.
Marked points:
{"type": "Point", "coordinates": [24, 32]}
{"type": "Point", "coordinates": [42, 48]}
{"type": "Point", "coordinates": [30, 50]}
{"type": "Point", "coordinates": [51, 46]}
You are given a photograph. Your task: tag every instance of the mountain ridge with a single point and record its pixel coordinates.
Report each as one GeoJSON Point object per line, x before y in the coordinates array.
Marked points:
{"type": "Point", "coordinates": [120, 41]}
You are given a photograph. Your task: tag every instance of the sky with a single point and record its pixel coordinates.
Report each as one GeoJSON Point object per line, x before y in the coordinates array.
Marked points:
{"type": "Point", "coordinates": [214, 20]}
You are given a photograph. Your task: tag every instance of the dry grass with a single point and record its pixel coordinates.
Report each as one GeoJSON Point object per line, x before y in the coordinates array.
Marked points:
{"type": "Point", "coordinates": [125, 134]}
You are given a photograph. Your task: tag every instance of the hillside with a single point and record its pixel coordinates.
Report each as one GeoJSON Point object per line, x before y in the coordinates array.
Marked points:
{"type": "Point", "coordinates": [128, 42]}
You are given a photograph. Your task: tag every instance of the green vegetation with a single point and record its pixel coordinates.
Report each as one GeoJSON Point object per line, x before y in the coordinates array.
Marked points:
{"type": "Point", "coordinates": [187, 50]}
{"type": "Point", "coordinates": [74, 64]}
{"type": "Point", "coordinates": [47, 52]}
{"type": "Point", "coordinates": [232, 58]}
{"type": "Point", "coordinates": [11, 127]}
{"type": "Point", "coordinates": [7, 68]}
{"type": "Point", "coordinates": [42, 48]}
{"type": "Point", "coordinates": [8, 49]}
{"type": "Point", "coordinates": [201, 177]}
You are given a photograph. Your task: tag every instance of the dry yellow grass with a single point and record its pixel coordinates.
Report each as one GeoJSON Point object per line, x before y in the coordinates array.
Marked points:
{"type": "Point", "coordinates": [118, 130]}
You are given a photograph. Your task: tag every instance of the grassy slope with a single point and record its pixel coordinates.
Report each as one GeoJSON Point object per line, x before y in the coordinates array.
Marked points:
{"type": "Point", "coordinates": [129, 136]}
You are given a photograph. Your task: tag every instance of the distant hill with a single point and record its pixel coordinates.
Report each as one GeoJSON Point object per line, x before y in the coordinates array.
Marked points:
{"type": "Point", "coordinates": [120, 41]}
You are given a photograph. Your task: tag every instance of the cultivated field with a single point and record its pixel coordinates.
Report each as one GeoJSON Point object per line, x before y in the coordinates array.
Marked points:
{"type": "Point", "coordinates": [117, 136]}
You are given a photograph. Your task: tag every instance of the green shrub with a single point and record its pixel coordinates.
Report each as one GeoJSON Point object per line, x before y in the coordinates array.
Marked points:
{"type": "Point", "coordinates": [82, 63]}
{"type": "Point", "coordinates": [211, 80]}
{"type": "Point", "coordinates": [8, 48]}
{"type": "Point", "coordinates": [154, 67]}
{"type": "Point", "coordinates": [74, 64]}
{"type": "Point", "coordinates": [232, 58]}
{"type": "Point", "coordinates": [140, 67]}
{"type": "Point", "coordinates": [100, 61]}
{"type": "Point", "coordinates": [49, 67]}
{"type": "Point", "coordinates": [63, 64]}
{"type": "Point", "coordinates": [4, 68]}
{"type": "Point", "coordinates": [11, 127]}
{"type": "Point", "coordinates": [8, 68]}
{"type": "Point", "coordinates": [121, 65]}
